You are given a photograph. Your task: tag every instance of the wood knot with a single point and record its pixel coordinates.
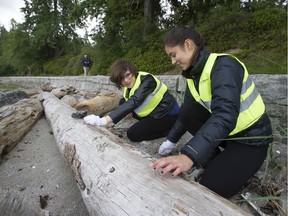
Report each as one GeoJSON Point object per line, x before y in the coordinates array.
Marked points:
{"type": "Point", "coordinates": [112, 169]}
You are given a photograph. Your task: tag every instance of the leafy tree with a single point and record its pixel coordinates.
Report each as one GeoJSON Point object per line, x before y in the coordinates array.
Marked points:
{"type": "Point", "coordinates": [51, 26]}
{"type": "Point", "coordinates": [17, 49]}
{"type": "Point", "coordinates": [46, 42]}
{"type": "Point", "coordinates": [125, 25]}
{"type": "Point", "coordinates": [6, 69]}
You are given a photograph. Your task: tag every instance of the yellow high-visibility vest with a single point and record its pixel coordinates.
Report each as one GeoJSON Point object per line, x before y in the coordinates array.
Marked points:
{"type": "Point", "coordinates": [251, 104]}
{"type": "Point", "coordinates": [152, 100]}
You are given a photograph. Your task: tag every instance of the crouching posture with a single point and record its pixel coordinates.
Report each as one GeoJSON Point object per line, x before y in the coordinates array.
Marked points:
{"type": "Point", "coordinates": [145, 98]}
{"type": "Point", "coordinates": [223, 111]}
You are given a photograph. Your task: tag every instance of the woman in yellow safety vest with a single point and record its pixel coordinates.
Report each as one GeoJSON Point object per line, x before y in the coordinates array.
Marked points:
{"type": "Point", "coordinates": [145, 98]}
{"type": "Point", "coordinates": [223, 111]}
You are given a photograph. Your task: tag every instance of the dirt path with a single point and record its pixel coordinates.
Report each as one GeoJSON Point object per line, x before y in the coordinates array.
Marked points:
{"type": "Point", "coordinates": [35, 167]}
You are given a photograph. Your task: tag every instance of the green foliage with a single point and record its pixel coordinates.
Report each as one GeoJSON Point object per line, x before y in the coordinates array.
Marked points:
{"type": "Point", "coordinates": [46, 43]}
{"type": "Point", "coordinates": [152, 57]}
{"type": "Point", "coordinates": [233, 27]}
{"type": "Point", "coordinates": [260, 35]}
{"type": "Point", "coordinates": [51, 26]}
{"type": "Point", "coordinates": [152, 61]}
{"type": "Point", "coordinates": [268, 28]}
{"type": "Point", "coordinates": [17, 49]}
{"type": "Point", "coordinates": [266, 61]}
{"type": "Point", "coordinates": [223, 31]}
{"type": "Point", "coordinates": [56, 67]}
{"type": "Point", "coordinates": [74, 67]}
{"type": "Point", "coordinates": [6, 69]}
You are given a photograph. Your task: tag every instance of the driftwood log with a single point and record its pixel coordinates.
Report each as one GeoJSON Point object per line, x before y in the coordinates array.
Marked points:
{"type": "Point", "coordinates": [116, 179]}
{"type": "Point", "coordinates": [100, 104]}
{"type": "Point", "coordinates": [16, 120]}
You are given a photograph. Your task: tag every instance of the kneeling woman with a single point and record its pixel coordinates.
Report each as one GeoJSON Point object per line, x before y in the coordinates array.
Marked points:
{"type": "Point", "coordinates": [145, 98]}
{"type": "Point", "coordinates": [223, 111]}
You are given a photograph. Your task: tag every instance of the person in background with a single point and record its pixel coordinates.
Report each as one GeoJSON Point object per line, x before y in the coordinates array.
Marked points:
{"type": "Point", "coordinates": [223, 111]}
{"type": "Point", "coordinates": [145, 98]}
{"type": "Point", "coordinates": [86, 65]}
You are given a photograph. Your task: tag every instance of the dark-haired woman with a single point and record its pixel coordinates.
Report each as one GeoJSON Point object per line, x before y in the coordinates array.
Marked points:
{"type": "Point", "coordinates": [223, 111]}
{"type": "Point", "coordinates": [144, 97]}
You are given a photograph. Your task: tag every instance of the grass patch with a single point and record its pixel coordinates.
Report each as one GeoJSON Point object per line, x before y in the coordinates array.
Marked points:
{"type": "Point", "coordinates": [9, 87]}
{"type": "Point", "coordinates": [270, 61]}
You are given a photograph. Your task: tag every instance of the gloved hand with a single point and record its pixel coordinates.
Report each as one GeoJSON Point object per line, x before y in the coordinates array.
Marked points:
{"type": "Point", "coordinates": [95, 120]}
{"type": "Point", "coordinates": [166, 147]}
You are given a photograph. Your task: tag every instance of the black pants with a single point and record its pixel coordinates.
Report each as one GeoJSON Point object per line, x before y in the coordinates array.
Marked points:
{"type": "Point", "coordinates": [149, 128]}
{"type": "Point", "coordinates": [230, 169]}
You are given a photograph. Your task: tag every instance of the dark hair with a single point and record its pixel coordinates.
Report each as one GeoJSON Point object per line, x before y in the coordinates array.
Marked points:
{"type": "Point", "coordinates": [118, 69]}
{"type": "Point", "coordinates": [177, 36]}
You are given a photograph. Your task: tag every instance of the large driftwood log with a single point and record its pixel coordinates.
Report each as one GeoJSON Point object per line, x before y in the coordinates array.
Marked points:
{"type": "Point", "coordinates": [100, 104]}
{"type": "Point", "coordinates": [16, 120]}
{"type": "Point", "coordinates": [116, 179]}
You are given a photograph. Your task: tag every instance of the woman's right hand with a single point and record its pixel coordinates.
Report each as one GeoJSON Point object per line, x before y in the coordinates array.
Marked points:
{"type": "Point", "coordinates": [176, 164]}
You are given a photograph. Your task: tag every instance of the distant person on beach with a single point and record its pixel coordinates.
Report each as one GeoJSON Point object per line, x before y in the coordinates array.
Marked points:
{"type": "Point", "coordinates": [86, 63]}
{"type": "Point", "coordinates": [223, 111]}
{"type": "Point", "coordinates": [145, 98]}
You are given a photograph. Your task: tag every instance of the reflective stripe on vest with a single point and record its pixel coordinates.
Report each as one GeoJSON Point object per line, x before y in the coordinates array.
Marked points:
{"type": "Point", "coordinates": [152, 100]}
{"type": "Point", "coordinates": [251, 103]}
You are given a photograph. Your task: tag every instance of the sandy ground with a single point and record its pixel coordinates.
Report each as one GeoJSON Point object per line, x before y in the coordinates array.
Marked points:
{"type": "Point", "coordinates": [35, 167]}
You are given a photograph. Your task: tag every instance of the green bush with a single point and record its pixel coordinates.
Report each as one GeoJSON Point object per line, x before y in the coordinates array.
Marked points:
{"type": "Point", "coordinates": [260, 35]}
{"type": "Point", "coordinates": [268, 27]}
{"type": "Point", "coordinates": [234, 27]}
{"type": "Point", "coordinates": [6, 69]}
{"type": "Point", "coordinates": [152, 57]}
{"type": "Point", "coordinates": [224, 28]}
{"type": "Point", "coordinates": [152, 61]}
{"type": "Point", "coordinates": [74, 67]}
{"type": "Point", "coordinates": [56, 66]}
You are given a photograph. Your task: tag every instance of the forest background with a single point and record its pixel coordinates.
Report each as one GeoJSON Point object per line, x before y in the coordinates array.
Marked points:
{"type": "Point", "coordinates": [46, 43]}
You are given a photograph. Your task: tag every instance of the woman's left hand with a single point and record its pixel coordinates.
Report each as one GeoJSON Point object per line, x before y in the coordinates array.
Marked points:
{"type": "Point", "coordinates": [177, 164]}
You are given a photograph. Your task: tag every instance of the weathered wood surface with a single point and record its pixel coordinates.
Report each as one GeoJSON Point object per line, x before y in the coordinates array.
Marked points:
{"type": "Point", "coordinates": [116, 179]}
{"type": "Point", "coordinates": [100, 104]}
{"type": "Point", "coordinates": [16, 120]}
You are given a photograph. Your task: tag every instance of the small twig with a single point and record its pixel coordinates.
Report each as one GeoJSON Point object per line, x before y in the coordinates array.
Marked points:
{"type": "Point", "coordinates": [246, 197]}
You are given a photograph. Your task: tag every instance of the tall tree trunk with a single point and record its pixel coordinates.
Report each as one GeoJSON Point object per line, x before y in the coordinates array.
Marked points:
{"type": "Point", "coordinates": [147, 17]}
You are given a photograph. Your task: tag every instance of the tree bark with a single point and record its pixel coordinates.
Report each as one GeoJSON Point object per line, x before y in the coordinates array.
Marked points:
{"type": "Point", "coordinates": [16, 120]}
{"type": "Point", "coordinates": [147, 18]}
{"type": "Point", "coordinates": [116, 179]}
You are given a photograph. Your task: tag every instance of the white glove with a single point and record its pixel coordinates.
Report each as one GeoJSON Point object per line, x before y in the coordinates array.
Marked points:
{"type": "Point", "coordinates": [166, 147]}
{"type": "Point", "coordinates": [95, 120]}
